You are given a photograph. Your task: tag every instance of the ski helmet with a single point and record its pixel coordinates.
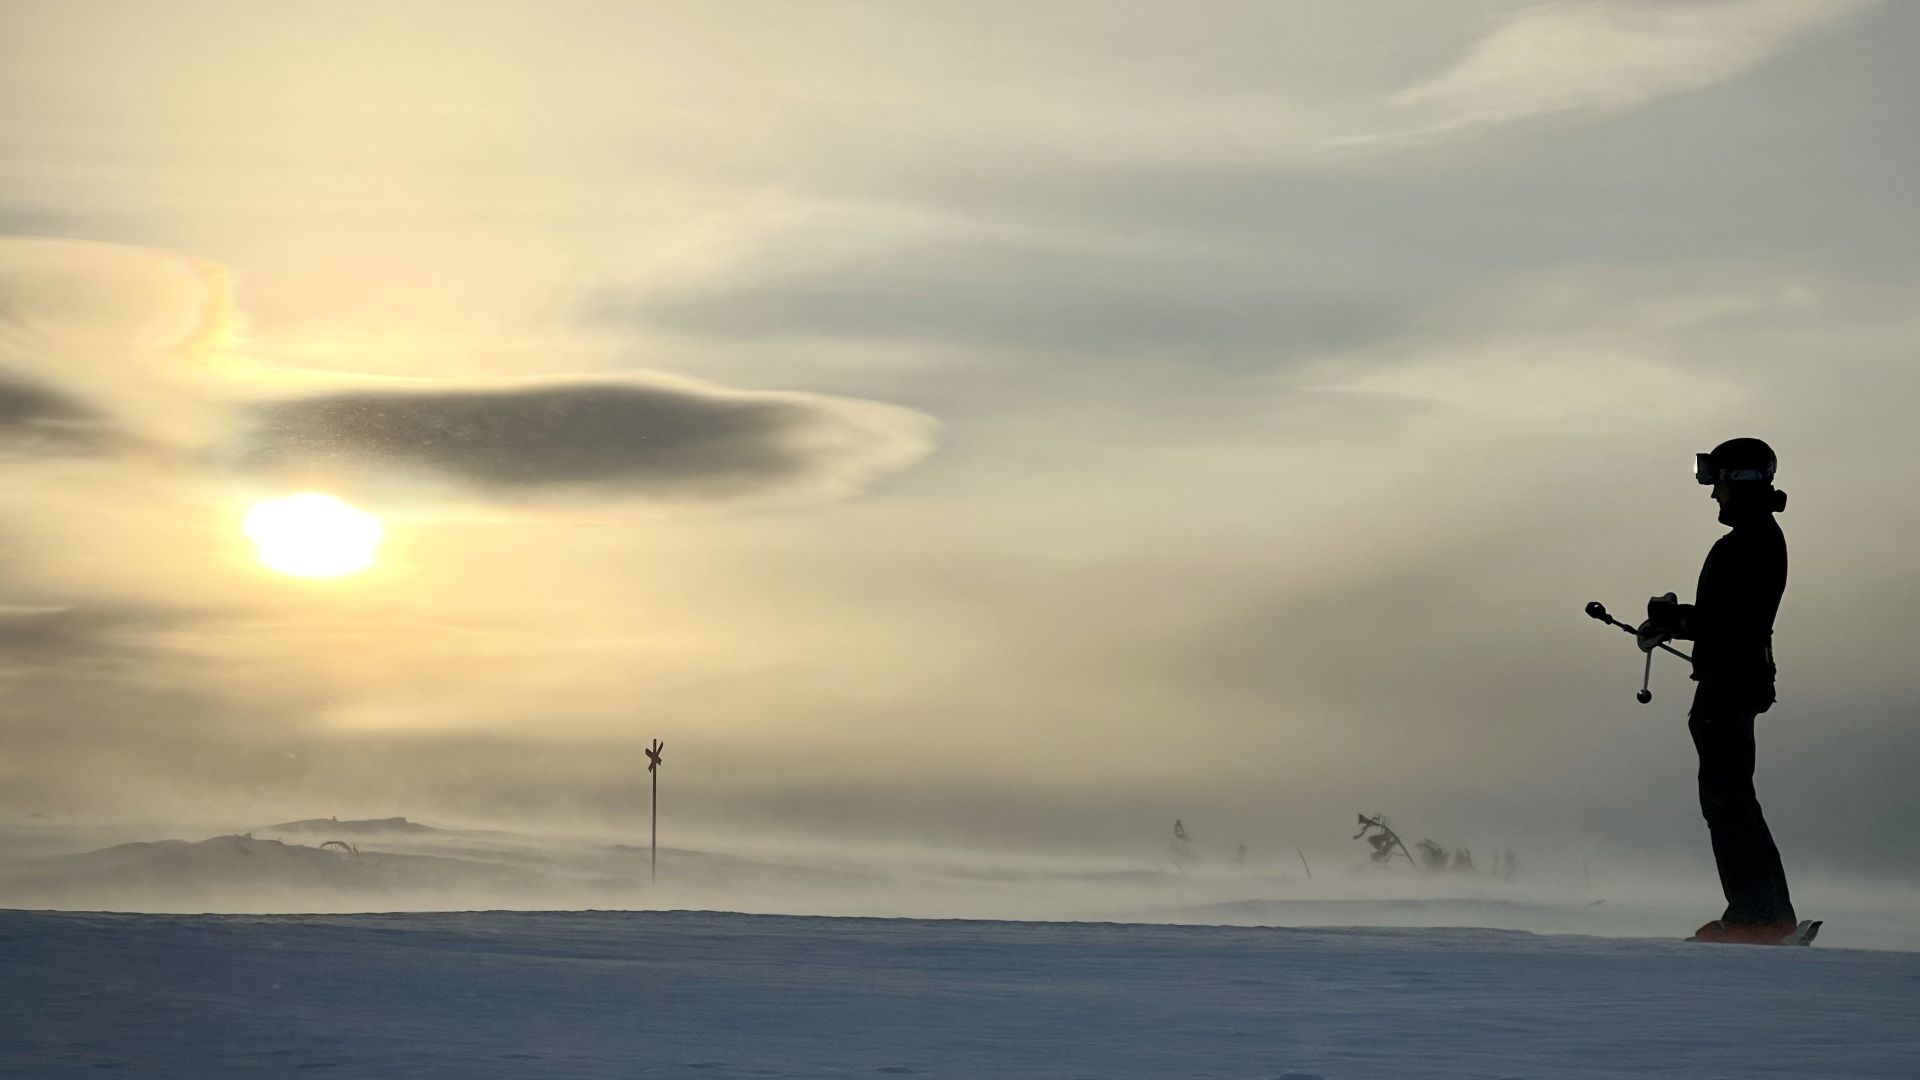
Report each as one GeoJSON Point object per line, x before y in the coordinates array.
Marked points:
{"type": "Point", "coordinates": [1736, 460]}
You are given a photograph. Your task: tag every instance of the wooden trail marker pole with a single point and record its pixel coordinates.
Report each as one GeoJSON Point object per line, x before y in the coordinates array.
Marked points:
{"type": "Point", "coordinates": [653, 769]}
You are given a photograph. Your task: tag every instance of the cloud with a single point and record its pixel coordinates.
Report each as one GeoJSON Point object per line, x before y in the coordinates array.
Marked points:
{"type": "Point", "coordinates": [1055, 295]}
{"type": "Point", "coordinates": [104, 707]}
{"type": "Point", "coordinates": [40, 420]}
{"type": "Point", "coordinates": [640, 435]}
{"type": "Point", "coordinates": [30, 630]}
{"type": "Point", "coordinates": [103, 345]}
{"type": "Point", "coordinates": [1596, 57]}
{"type": "Point", "coordinates": [1018, 285]}
{"type": "Point", "coordinates": [69, 633]}
{"type": "Point", "coordinates": [106, 346]}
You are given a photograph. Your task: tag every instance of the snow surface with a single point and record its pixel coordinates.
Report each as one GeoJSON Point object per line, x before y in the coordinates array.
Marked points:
{"type": "Point", "coordinates": [637, 994]}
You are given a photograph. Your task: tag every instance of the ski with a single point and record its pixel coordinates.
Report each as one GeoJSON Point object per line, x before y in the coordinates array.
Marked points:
{"type": "Point", "coordinates": [1802, 934]}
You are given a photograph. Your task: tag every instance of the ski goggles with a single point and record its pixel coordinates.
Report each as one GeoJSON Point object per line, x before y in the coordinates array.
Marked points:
{"type": "Point", "coordinates": [1705, 472]}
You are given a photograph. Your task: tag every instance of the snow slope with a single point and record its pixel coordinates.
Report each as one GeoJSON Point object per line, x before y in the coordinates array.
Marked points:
{"type": "Point", "coordinates": [637, 994]}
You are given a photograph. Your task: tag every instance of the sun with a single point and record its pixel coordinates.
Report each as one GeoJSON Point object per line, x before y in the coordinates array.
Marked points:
{"type": "Point", "coordinates": [312, 535]}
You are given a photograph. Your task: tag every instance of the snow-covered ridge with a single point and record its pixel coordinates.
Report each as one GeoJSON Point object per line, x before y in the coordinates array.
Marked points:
{"type": "Point", "coordinates": [333, 826]}
{"type": "Point", "coordinates": [377, 868]}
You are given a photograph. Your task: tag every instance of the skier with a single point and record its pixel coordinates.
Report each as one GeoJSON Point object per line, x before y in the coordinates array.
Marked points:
{"type": "Point", "coordinates": [1731, 624]}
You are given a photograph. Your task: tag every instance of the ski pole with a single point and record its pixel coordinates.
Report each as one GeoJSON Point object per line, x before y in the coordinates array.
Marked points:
{"type": "Point", "coordinates": [1599, 611]}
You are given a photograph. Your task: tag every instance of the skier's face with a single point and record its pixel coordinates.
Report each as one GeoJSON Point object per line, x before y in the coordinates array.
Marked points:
{"type": "Point", "coordinates": [1738, 501]}
{"type": "Point", "coordinates": [1723, 494]}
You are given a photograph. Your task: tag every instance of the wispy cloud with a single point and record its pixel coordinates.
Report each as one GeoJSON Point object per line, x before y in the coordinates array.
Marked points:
{"type": "Point", "coordinates": [1594, 56]}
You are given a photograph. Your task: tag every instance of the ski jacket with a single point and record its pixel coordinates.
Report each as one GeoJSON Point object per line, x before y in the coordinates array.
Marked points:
{"type": "Point", "coordinates": [1731, 618]}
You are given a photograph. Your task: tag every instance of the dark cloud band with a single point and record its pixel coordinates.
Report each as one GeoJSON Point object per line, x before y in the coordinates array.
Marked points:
{"type": "Point", "coordinates": [639, 437]}
{"type": "Point", "coordinates": [38, 419]}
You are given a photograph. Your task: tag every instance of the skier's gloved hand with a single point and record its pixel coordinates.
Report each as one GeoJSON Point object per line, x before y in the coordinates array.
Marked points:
{"type": "Point", "coordinates": [1664, 610]}
{"type": "Point", "coordinates": [1663, 622]}
{"type": "Point", "coordinates": [1651, 635]}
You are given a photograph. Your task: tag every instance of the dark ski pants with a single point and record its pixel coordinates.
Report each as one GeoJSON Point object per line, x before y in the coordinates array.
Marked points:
{"type": "Point", "coordinates": [1743, 849]}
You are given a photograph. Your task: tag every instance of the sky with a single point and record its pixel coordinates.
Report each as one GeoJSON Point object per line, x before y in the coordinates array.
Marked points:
{"type": "Point", "coordinates": [956, 424]}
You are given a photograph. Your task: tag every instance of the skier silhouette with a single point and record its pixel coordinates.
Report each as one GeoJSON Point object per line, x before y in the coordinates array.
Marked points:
{"type": "Point", "coordinates": [1731, 624]}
